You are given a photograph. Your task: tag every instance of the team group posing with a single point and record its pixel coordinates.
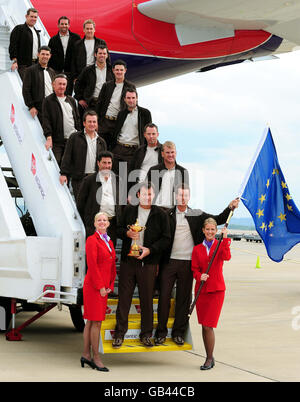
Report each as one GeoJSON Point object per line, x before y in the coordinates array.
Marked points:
{"type": "Point", "coordinates": [107, 149]}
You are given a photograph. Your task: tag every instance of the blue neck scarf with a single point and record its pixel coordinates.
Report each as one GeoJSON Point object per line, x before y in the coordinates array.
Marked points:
{"type": "Point", "coordinates": [208, 243]}
{"type": "Point", "coordinates": [106, 238]}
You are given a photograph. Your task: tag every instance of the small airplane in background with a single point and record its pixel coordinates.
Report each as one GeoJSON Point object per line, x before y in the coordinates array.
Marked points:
{"type": "Point", "coordinates": [160, 39]}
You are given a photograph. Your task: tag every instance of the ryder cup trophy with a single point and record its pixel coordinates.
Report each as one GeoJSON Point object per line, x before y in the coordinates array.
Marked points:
{"type": "Point", "coordinates": [134, 249]}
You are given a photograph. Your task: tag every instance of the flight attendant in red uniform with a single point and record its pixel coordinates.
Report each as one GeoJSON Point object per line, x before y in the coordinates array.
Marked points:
{"type": "Point", "coordinates": [98, 283]}
{"type": "Point", "coordinates": [210, 301]}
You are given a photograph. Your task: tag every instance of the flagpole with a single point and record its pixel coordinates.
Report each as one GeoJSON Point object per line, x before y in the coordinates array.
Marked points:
{"type": "Point", "coordinates": [209, 265]}
{"type": "Point", "coordinates": [253, 161]}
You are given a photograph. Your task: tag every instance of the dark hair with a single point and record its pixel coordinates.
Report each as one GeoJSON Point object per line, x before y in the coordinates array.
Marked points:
{"type": "Point", "coordinates": [100, 47]}
{"type": "Point", "coordinates": [89, 113]}
{"type": "Point", "coordinates": [119, 62]}
{"type": "Point", "coordinates": [61, 75]}
{"type": "Point", "coordinates": [131, 89]}
{"type": "Point", "coordinates": [145, 184]}
{"type": "Point", "coordinates": [151, 125]}
{"type": "Point", "coordinates": [63, 18]}
{"type": "Point", "coordinates": [45, 48]}
{"type": "Point", "coordinates": [104, 154]}
{"type": "Point", "coordinates": [31, 10]}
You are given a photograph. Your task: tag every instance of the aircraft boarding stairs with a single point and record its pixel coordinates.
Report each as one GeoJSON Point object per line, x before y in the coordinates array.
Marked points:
{"type": "Point", "coordinates": [53, 255]}
{"type": "Point", "coordinates": [47, 265]}
{"type": "Point", "coordinates": [60, 239]}
{"type": "Point", "coordinates": [131, 342]}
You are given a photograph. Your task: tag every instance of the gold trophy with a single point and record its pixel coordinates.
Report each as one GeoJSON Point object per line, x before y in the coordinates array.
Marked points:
{"type": "Point", "coordinates": [135, 249]}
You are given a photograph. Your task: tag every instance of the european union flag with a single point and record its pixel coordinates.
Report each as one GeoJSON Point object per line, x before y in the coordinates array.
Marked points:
{"type": "Point", "coordinates": [267, 197]}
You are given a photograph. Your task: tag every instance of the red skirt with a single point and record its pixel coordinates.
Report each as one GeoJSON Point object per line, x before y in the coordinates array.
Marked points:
{"type": "Point", "coordinates": [208, 307]}
{"type": "Point", "coordinates": [94, 305]}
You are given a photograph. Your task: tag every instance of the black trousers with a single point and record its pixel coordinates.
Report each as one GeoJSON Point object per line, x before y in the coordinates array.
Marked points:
{"type": "Point", "coordinates": [122, 154]}
{"type": "Point", "coordinates": [58, 151]}
{"type": "Point", "coordinates": [134, 272]}
{"type": "Point", "coordinates": [106, 130]}
{"type": "Point", "coordinates": [22, 68]}
{"type": "Point", "coordinates": [178, 271]}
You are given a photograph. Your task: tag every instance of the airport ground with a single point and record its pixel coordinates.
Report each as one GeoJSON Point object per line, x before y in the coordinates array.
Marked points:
{"type": "Point", "coordinates": [257, 340]}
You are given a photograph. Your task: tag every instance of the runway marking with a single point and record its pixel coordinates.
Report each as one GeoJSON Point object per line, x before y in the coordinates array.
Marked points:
{"type": "Point", "coordinates": [235, 367]}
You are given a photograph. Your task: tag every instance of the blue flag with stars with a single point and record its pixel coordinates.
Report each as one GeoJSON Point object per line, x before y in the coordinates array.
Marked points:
{"type": "Point", "coordinates": [267, 197]}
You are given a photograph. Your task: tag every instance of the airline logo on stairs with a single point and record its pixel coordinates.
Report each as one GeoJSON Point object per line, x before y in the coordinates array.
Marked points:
{"type": "Point", "coordinates": [17, 129]}
{"type": "Point", "coordinates": [33, 165]}
{"type": "Point", "coordinates": [12, 114]}
{"type": "Point", "coordinates": [132, 333]}
{"type": "Point", "coordinates": [37, 179]}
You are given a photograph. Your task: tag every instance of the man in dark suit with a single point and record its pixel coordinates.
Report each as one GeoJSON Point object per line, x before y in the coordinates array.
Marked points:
{"type": "Point", "coordinates": [111, 101]}
{"type": "Point", "coordinates": [141, 270]}
{"type": "Point", "coordinates": [62, 45]}
{"type": "Point", "coordinates": [60, 117]}
{"type": "Point", "coordinates": [129, 130]}
{"type": "Point", "coordinates": [167, 176]}
{"type": "Point", "coordinates": [80, 156]}
{"type": "Point", "coordinates": [84, 49]}
{"type": "Point", "coordinates": [37, 83]}
{"type": "Point", "coordinates": [186, 232]}
{"type": "Point", "coordinates": [101, 191]}
{"type": "Point", "coordinates": [145, 156]}
{"type": "Point", "coordinates": [25, 43]}
{"type": "Point", "coordinates": [90, 81]}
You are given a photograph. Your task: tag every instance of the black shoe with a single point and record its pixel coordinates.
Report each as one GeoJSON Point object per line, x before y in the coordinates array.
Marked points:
{"type": "Point", "coordinates": [84, 361]}
{"type": "Point", "coordinates": [100, 368]}
{"type": "Point", "coordinates": [178, 340]}
{"type": "Point", "coordinates": [146, 341]}
{"type": "Point", "coordinates": [117, 343]}
{"type": "Point", "coordinates": [208, 366]}
{"type": "Point", "coordinates": [159, 340]}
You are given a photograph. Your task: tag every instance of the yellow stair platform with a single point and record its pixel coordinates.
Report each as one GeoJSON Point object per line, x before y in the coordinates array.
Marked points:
{"type": "Point", "coordinates": [132, 342]}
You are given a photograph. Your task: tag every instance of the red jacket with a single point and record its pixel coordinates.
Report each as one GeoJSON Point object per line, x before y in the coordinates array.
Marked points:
{"type": "Point", "coordinates": [101, 263]}
{"type": "Point", "coordinates": [200, 261]}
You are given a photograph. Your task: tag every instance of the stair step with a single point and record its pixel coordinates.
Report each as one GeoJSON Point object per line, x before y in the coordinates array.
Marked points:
{"type": "Point", "coordinates": [132, 343]}
{"type": "Point", "coordinates": [133, 322]}
{"type": "Point", "coordinates": [135, 310]}
{"type": "Point", "coordinates": [135, 346]}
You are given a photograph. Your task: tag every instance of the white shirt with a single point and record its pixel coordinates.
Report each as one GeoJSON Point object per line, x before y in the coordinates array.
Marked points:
{"type": "Point", "coordinates": [107, 203]}
{"type": "Point", "coordinates": [143, 215]}
{"type": "Point", "coordinates": [90, 53]}
{"type": "Point", "coordinates": [183, 243]}
{"type": "Point", "coordinates": [68, 119]}
{"type": "Point", "coordinates": [100, 80]}
{"type": "Point", "coordinates": [35, 43]}
{"type": "Point", "coordinates": [150, 159]}
{"type": "Point", "coordinates": [64, 41]}
{"type": "Point", "coordinates": [129, 133]}
{"type": "Point", "coordinates": [166, 194]}
{"type": "Point", "coordinates": [48, 83]}
{"type": "Point", "coordinates": [90, 162]}
{"type": "Point", "coordinates": [114, 105]}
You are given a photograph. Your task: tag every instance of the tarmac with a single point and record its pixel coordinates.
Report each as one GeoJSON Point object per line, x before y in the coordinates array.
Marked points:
{"type": "Point", "coordinates": [257, 339]}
